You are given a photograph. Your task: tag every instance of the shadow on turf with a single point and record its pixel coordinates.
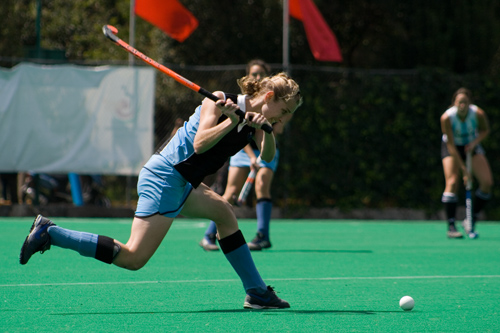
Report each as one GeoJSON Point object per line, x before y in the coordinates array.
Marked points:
{"type": "Point", "coordinates": [355, 312]}
{"type": "Point", "coordinates": [321, 251]}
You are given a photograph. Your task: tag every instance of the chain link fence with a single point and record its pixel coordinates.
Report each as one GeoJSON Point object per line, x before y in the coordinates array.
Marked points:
{"type": "Point", "coordinates": [362, 139]}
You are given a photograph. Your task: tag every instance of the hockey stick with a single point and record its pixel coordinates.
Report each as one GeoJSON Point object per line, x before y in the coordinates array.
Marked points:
{"type": "Point", "coordinates": [245, 191]}
{"type": "Point", "coordinates": [247, 187]}
{"type": "Point", "coordinates": [468, 194]}
{"type": "Point", "coordinates": [110, 32]}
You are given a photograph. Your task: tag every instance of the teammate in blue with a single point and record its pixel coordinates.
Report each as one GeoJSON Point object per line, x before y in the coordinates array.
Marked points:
{"type": "Point", "coordinates": [171, 183]}
{"type": "Point", "coordinates": [464, 126]}
{"type": "Point", "coordinates": [239, 167]}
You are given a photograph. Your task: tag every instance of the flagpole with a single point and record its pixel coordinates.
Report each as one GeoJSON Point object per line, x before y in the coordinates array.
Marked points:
{"type": "Point", "coordinates": [131, 39]}
{"type": "Point", "coordinates": [285, 152]}
{"type": "Point", "coordinates": [286, 39]}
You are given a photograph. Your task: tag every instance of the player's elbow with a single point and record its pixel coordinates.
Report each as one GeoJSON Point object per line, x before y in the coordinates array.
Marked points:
{"type": "Point", "coordinates": [267, 159]}
{"type": "Point", "coordinates": [199, 149]}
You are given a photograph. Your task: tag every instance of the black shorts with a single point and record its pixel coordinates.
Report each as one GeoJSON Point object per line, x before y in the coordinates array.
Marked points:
{"type": "Point", "coordinates": [461, 150]}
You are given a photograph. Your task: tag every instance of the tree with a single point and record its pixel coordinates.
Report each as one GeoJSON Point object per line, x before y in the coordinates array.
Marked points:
{"type": "Point", "coordinates": [461, 36]}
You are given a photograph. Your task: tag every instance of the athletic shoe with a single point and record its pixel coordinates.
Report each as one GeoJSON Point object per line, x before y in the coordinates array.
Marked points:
{"type": "Point", "coordinates": [259, 243]}
{"type": "Point", "coordinates": [268, 300]}
{"type": "Point", "coordinates": [208, 243]}
{"type": "Point", "coordinates": [38, 239]}
{"type": "Point", "coordinates": [455, 234]}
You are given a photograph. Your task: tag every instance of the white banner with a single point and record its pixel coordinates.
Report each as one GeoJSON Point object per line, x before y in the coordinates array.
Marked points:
{"type": "Point", "coordinates": [86, 120]}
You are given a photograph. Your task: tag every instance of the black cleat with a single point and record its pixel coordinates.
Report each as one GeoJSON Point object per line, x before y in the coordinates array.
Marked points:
{"type": "Point", "coordinates": [268, 300]}
{"type": "Point", "coordinates": [259, 243]}
{"type": "Point", "coordinates": [38, 239]}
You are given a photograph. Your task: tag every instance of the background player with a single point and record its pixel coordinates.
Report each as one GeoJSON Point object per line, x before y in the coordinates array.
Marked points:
{"type": "Point", "coordinates": [464, 126]}
{"type": "Point", "coordinates": [239, 167]}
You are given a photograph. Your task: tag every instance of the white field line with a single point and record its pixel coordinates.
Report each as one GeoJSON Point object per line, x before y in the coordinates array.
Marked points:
{"type": "Point", "coordinates": [353, 278]}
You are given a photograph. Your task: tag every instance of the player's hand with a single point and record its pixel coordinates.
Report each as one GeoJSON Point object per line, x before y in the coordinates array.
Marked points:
{"type": "Point", "coordinates": [466, 176]}
{"type": "Point", "coordinates": [256, 120]}
{"type": "Point", "coordinates": [469, 147]}
{"type": "Point", "coordinates": [254, 163]}
{"type": "Point", "coordinates": [228, 108]}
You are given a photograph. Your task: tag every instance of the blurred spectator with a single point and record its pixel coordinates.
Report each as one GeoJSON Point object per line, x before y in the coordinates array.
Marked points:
{"type": "Point", "coordinates": [9, 188]}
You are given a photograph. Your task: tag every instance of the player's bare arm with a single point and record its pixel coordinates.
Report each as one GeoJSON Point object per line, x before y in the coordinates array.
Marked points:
{"type": "Point", "coordinates": [209, 132]}
{"type": "Point", "coordinates": [450, 143]}
{"type": "Point", "coordinates": [483, 127]}
{"type": "Point", "coordinates": [253, 159]}
{"type": "Point", "coordinates": [267, 144]}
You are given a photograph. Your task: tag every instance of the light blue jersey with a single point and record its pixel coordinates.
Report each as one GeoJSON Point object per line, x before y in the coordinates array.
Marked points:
{"type": "Point", "coordinates": [464, 132]}
{"type": "Point", "coordinates": [180, 147]}
{"type": "Point", "coordinates": [169, 176]}
{"type": "Point", "coordinates": [194, 167]}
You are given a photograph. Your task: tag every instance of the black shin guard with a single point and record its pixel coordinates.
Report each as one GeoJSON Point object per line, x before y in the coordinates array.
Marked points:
{"type": "Point", "coordinates": [451, 209]}
{"type": "Point", "coordinates": [480, 201]}
{"type": "Point", "coordinates": [106, 250]}
{"type": "Point", "coordinates": [232, 242]}
{"type": "Point", "coordinates": [450, 205]}
{"type": "Point", "coordinates": [479, 204]}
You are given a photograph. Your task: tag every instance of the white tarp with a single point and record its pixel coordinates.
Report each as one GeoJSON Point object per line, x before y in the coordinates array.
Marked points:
{"type": "Point", "coordinates": [65, 118]}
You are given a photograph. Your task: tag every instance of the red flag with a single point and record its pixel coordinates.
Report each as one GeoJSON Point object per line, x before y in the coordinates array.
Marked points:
{"type": "Point", "coordinates": [322, 41]}
{"type": "Point", "coordinates": [168, 15]}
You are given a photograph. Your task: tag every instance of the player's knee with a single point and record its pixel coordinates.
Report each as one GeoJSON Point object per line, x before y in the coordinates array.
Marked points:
{"type": "Point", "coordinates": [259, 183]}
{"type": "Point", "coordinates": [225, 206]}
{"type": "Point", "coordinates": [220, 209]}
{"type": "Point", "coordinates": [451, 185]}
{"type": "Point", "coordinates": [225, 217]}
{"type": "Point", "coordinates": [136, 265]}
{"type": "Point", "coordinates": [263, 187]}
{"type": "Point", "coordinates": [134, 261]}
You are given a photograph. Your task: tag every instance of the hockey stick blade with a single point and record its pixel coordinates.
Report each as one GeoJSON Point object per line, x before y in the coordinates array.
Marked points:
{"type": "Point", "coordinates": [245, 191]}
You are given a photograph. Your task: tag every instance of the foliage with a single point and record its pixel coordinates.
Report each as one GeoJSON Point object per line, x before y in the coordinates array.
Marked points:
{"type": "Point", "coordinates": [364, 138]}
{"type": "Point", "coordinates": [460, 37]}
{"type": "Point", "coordinates": [373, 139]}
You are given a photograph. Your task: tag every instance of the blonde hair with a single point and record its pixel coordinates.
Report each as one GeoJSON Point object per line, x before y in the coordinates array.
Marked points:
{"type": "Point", "coordinates": [281, 84]}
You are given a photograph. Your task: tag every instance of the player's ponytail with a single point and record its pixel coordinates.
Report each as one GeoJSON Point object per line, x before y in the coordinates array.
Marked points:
{"type": "Point", "coordinates": [281, 84]}
{"type": "Point", "coordinates": [249, 85]}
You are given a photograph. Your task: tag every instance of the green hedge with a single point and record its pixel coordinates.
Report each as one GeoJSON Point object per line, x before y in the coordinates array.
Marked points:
{"type": "Point", "coordinates": [362, 138]}
{"type": "Point", "coordinates": [372, 139]}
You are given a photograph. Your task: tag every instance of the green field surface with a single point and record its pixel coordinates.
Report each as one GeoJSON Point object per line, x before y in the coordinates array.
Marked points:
{"type": "Point", "coordinates": [338, 275]}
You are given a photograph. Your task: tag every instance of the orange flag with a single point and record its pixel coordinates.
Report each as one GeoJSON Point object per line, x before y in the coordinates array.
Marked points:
{"type": "Point", "coordinates": [168, 15]}
{"type": "Point", "coordinates": [322, 41]}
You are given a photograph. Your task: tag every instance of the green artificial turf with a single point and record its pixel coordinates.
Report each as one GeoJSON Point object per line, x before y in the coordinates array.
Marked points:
{"type": "Point", "coordinates": [339, 276]}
